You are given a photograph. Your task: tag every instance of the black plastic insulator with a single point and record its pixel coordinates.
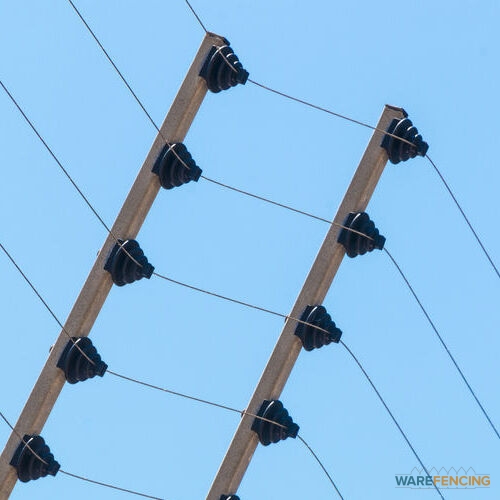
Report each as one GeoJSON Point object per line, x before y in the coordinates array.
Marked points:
{"type": "Point", "coordinates": [399, 150]}
{"type": "Point", "coordinates": [281, 427]}
{"type": "Point", "coordinates": [229, 497]}
{"type": "Point", "coordinates": [175, 166]}
{"type": "Point", "coordinates": [222, 69]}
{"type": "Point", "coordinates": [80, 360]}
{"type": "Point", "coordinates": [127, 263]}
{"type": "Point", "coordinates": [27, 464]}
{"type": "Point", "coordinates": [314, 338]}
{"type": "Point", "coordinates": [355, 243]}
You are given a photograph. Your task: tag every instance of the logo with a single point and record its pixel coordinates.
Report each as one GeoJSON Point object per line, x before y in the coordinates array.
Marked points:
{"type": "Point", "coordinates": [443, 479]}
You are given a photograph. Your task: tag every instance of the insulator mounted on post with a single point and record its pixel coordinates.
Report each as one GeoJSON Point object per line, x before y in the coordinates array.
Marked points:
{"type": "Point", "coordinates": [275, 424]}
{"type": "Point", "coordinates": [127, 263]}
{"type": "Point", "coordinates": [80, 360]}
{"type": "Point", "coordinates": [175, 166]}
{"type": "Point", "coordinates": [361, 236]}
{"type": "Point", "coordinates": [399, 150]}
{"type": "Point", "coordinates": [222, 69]}
{"type": "Point", "coordinates": [229, 497]}
{"type": "Point", "coordinates": [320, 331]}
{"type": "Point", "coordinates": [26, 459]}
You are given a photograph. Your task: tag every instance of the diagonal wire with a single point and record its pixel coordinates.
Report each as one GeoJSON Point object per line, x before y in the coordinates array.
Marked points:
{"type": "Point", "coordinates": [108, 57]}
{"type": "Point", "coordinates": [5, 251]}
{"type": "Point", "coordinates": [51, 311]}
{"type": "Point", "coordinates": [196, 15]}
{"type": "Point", "coordinates": [446, 185]}
{"type": "Point", "coordinates": [80, 192]}
{"type": "Point", "coordinates": [125, 81]}
{"type": "Point", "coordinates": [382, 400]}
{"type": "Point", "coordinates": [320, 464]}
{"type": "Point", "coordinates": [443, 343]}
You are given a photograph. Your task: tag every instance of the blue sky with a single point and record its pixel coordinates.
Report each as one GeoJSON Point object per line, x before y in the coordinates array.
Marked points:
{"type": "Point", "coordinates": [437, 60]}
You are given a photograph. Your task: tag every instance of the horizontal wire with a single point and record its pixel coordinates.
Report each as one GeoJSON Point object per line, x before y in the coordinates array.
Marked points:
{"type": "Point", "coordinates": [287, 207]}
{"type": "Point", "coordinates": [83, 478]}
{"type": "Point", "coordinates": [267, 200]}
{"type": "Point", "coordinates": [330, 112]}
{"type": "Point", "coordinates": [240, 302]}
{"type": "Point", "coordinates": [443, 343]}
{"type": "Point", "coordinates": [228, 408]}
{"type": "Point", "coordinates": [301, 101]}
{"type": "Point", "coordinates": [382, 400]}
{"type": "Point", "coordinates": [107, 485]}
{"type": "Point", "coordinates": [446, 185]}
{"type": "Point", "coordinates": [193, 398]}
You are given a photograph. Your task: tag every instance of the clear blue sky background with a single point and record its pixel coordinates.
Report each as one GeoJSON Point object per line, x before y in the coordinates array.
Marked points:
{"type": "Point", "coordinates": [438, 60]}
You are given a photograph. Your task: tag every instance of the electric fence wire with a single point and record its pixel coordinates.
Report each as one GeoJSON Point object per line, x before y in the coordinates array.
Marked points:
{"type": "Point", "coordinates": [234, 300]}
{"type": "Point", "coordinates": [367, 125]}
{"type": "Point", "coordinates": [156, 387]}
{"type": "Point", "coordinates": [382, 400]}
{"type": "Point", "coordinates": [443, 343]}
{"type": "Point", "coordinates": [256, 196]}
{"type": "Point", "coordinates": [321, 464]}
{"type": "Point", "coordinates": [287, 207]}
{"type": "Point", "coordinates": [229, 408]}
{"type": "Point", "coordinates": [241, 302]}
{"type": "Point", "coordinates": [471, 227]}
{"type": "Point", "coordinates": [292, 98]}
{"type": "Point", "coordinates": [76, 476]}
{"type": "Point", "coordinates": [246, 193]}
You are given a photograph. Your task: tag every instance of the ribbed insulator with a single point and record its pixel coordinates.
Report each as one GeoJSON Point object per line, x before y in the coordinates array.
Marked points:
{"type": "Point", "coordinates": [399, 150]}
{"type": "Point", "coordinates": [28, 466]}
{"type": "Point", "coordinates": [175, 166]}
{"type": "Point", "coordinates": [313, 338]}
{"type": "Point", "coordinates": [355, 243]}
{"type": "Point", "coordinates": [127, 263]}
{"type": "Point", "coordinates": [229, 497]}
{"type": "Point", "coordinates": [281, 427]}
{"type": "Point", "coordinates": [222, 69]}
{"type": "Point", "coordinates": [80, 360]}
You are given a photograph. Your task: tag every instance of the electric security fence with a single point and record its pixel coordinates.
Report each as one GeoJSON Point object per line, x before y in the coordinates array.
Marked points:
{"type": "Point", "coordinates": [26, 456]}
